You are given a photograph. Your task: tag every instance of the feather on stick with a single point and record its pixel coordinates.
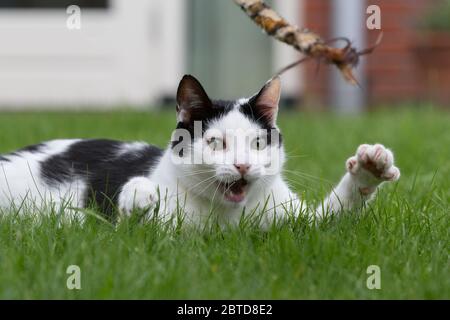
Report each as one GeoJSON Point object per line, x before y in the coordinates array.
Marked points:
{"type": "Point", "coordinates": [304, 40]}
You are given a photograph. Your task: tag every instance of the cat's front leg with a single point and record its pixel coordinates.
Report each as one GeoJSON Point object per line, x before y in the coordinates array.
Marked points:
{"type": "Point", "coordinates": [139, 193]}
{"type": "Point", "coordinates": [371, 166]}
{"type": "Point", "coordinates": [280, 203]}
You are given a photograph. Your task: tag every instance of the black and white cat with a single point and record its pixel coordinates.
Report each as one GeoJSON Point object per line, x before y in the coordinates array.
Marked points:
{"type": "Point", "coordinates": [225, 158]}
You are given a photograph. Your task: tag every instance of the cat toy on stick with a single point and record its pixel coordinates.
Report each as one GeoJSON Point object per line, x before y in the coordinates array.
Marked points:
{"type": "Point", "coordinates": [304, 40]}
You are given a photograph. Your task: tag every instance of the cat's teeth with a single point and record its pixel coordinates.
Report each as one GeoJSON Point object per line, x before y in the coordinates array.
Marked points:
{"type": "Point", "coordinates": [236, 190]}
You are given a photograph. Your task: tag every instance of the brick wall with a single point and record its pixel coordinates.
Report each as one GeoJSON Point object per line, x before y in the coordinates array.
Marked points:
{"type": "Point", "coordinates": [392, 70]}
{"type": "Point", "coordinates": [317, 15]}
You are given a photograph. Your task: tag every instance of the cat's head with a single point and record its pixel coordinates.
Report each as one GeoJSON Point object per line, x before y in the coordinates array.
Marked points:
{"type": "Point", "coordinates": [227, 151]}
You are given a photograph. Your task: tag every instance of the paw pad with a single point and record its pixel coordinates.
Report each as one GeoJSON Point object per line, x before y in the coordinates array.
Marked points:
{"type": "Point", "coordinates": [375, 159]}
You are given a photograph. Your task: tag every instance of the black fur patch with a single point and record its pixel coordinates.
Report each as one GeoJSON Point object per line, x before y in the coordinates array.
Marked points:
{"type": "Point", "coordinates": [253, 113]}
{"type": "Point", "coordinates": [99, 163]}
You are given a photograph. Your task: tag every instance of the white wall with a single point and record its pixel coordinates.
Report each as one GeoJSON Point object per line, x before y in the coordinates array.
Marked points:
{"type": "Point", "coordinates": [129, 54]}
{"type": "Point", "coordinates": [347, 20]}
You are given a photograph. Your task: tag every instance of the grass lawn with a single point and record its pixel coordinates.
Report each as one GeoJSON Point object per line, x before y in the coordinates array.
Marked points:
{"type": "Point", "coordinates": [404, 232]}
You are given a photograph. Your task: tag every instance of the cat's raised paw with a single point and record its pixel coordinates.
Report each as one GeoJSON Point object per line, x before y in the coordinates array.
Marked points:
{"type": "Point", "coordinates": [373, 162]}
{"type": "Point", "coordinates": [137, 194]}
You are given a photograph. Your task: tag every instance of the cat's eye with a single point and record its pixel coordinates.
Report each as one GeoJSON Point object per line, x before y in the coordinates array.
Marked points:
{"type": "Point", "coordinates": [259, 143]}
{"type": "Point", "coordinates": [216, 143]}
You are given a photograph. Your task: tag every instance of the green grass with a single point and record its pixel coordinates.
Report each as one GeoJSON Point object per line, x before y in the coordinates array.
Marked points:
{"type": "Point", "coordinates": [405, 231]}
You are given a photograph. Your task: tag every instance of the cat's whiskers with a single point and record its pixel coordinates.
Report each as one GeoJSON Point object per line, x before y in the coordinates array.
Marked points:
{"type": "Point", "coordinates": [195, 186]}
{"type": "Point", "coordinates": [211, 209]}
{"type": "Point", "coordinates": [209, 184]}
{"type": "Point", "coordinates": [307, 176]}
{"type": "Point", "coordinates": [198, 184]}
{"type": "Point", "coordinates": [297, 183]}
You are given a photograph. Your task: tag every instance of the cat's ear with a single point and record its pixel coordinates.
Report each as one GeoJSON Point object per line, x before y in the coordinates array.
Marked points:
{"type": "Point", "coordinates": [192, 100]}
{"type": "Point", "coordinates": [265, 102]}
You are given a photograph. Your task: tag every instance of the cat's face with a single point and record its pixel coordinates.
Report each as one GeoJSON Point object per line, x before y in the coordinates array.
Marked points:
{"type": "Point", "coordinates": [226, 151]}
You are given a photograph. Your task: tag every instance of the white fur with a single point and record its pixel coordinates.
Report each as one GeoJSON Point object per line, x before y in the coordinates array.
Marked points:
{"type": "Point", "coordinates": [131, 147]}
{"type": "Point", "coordinates": [21, 184]}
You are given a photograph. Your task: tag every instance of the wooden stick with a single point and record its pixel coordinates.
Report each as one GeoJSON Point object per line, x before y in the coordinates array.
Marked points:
{"type": "Point", "coordinates": [304, 40]}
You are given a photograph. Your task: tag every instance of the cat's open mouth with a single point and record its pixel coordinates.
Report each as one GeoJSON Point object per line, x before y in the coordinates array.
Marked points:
{"type": "Point", "coordinates": [234, 191]}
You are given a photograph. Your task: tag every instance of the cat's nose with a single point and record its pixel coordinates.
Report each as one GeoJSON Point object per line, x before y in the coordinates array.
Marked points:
{"type": "Point", "coordinates": [242, 168]}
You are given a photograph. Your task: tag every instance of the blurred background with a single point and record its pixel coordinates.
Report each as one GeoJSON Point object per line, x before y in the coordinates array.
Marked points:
{"type": "Point", "coordinates": [133, 53]}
